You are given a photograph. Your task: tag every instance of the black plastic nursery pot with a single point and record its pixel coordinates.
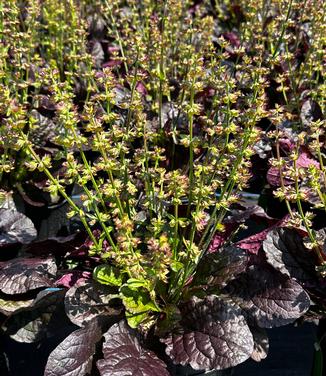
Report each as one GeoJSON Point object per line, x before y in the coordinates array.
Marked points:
{"type": "Point", "coordinates": [188, 371]}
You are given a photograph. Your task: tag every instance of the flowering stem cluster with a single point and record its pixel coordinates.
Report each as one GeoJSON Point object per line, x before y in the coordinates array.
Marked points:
{"type": "Point", "coordinates": [160, 137]}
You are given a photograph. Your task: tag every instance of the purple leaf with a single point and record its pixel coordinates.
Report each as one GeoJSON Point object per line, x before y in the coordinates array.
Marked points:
{"type": "Point", "coordinates": [112, 63]}
{"type": "Point", "coordinates": [217, 242]}
{"type": "Point", "coordinates": [140, 87]}
{"type": "Point", "coordinates": [221, 237]}
{"type": "Point", "coordinates": [70, 279]}
{"type": "Point", "coordinates": [321, 239]}
{"type": "Point", "coordinates": [253, 243]}
{"type": "Point", "coordinates": [121, 97]}
{"type": "Point", "coordinates": [8, 306]}
{"type": "Point", "coordinates": [20, 275]}
{"type": "Point", "coordinates": [96, 25]}
{"type": "Point", "coordinates": [310, 193]}
{"type": "Point", "coordinates": [310, 111]}
{"type": "Point", "coordinates": [305, 160]}
{"type": "Point", "coordinates": [15, 227]}
{"type": "Point", "coordinates": [287, 144]}
{"type": "Point", "coordinates": [123, 355]}
{"type": "Point", "coordinates": [263, 147]}
{"type": "Point", "coordinates": [44, 129]}
{"type": "Point", "coordinates": [74, 356]}
{"type": "Point", "coordinates": [220, 267]}
{"type": "Point", "coordinates": [268, 298]}
{"type": "Point", "coordinates": [242, 215]}
{"type": "Point", "coordinates": [31, 324]}
{"type": "Point", "coordinates": [97, 52]}
{"type": "Point", "coordinates": [88, 299]}
{"type": "Point", "coordinates": [261, 344]}
{"type": "Point", "coordinates": [113, 57]}
{"type": "Point", "coordinates": [45, 103]}
{"type": "Point", "coordinates": [274, 179]}
{"type": "Point", "coordinates": [214, 335]}
{"type": "Point", "coordinates": [236, 217]}
{"type": "Point", "coordinates": [58, 246]}
{"type": "Point", "coordinates": [285, 251]}
{"type": "Point", "coordinates": [233, 38]}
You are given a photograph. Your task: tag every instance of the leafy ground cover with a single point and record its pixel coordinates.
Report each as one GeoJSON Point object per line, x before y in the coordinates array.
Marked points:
{"type": "Point", "coordinates": [139, 131]}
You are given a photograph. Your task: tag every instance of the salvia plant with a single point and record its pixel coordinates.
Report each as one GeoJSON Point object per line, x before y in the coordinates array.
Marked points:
{"type": "Point", "coordinates": [151, 125]}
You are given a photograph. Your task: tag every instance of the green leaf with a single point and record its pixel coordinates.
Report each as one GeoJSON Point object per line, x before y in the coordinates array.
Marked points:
{"type": "Point", "coordinates": [137, 300]}
{"type": "Point", "coordinates": [108, 275]}
{"type": "Point", "coordinates": [135, 319]}
{"type": "Point", "coordinates": [138, 304]}
{"type": "Point", "coordinates": [317, 369]}
{"type": "Point", "coordinates": [172, 317]}
{"type": "Point", "coordinates": [183, 222]}
{"type": "Point", "coordinates": [134, 283]}
{"type": "Point", "coordinates": [176, 265]}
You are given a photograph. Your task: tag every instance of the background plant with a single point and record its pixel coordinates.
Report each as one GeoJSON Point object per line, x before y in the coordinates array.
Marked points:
{"type": "Point", "coordinates": [157, 112]}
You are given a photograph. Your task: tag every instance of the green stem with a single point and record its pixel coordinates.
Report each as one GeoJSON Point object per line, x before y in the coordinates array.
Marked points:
{"type": "Point", "coordinates": [284, 25]}
{"type": "Point", "coordinates": [278, 155]}
{"type": "Point", "coordinates": [88, 168]}
{"type": "Point", "coordinates": [176, 226]}
{"type": "Point", "coordinates": [109, 172]}
{"type": "Point", "coordinates": [116, 31]}
{"type": "Point", "coordinates": [61, 190]}
{"type": "Point", "coordinates": [191, 148]}
{"type": "Point", "coordinates": [97, 213]}
{"type": "Point", "coordinates": [303, 217]}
